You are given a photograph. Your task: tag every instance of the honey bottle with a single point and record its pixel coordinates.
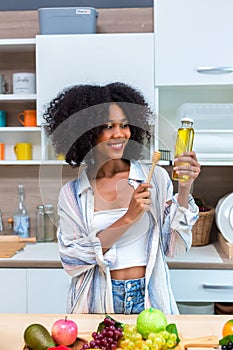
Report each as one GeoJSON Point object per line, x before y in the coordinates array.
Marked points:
{"type": "Point", "coordinates": [184, 143]}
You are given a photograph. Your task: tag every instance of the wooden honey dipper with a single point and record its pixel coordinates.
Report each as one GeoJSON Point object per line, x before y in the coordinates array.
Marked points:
{"type": "Point", "coordinates": [155, 158]}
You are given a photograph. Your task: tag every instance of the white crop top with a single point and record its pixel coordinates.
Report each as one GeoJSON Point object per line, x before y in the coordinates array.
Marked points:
{"type": "Point", "coordinates": [131, 247]}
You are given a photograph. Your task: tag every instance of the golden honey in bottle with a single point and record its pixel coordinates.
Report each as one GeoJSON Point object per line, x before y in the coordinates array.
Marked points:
{"type": "Point", "coordinates": [184, 143]}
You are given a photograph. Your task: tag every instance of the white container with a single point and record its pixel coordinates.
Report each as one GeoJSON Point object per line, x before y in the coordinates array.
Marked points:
{"type": "Point", "coordinates": [24, 83]}
{"type": "Point", "coordinates": [196, 308]}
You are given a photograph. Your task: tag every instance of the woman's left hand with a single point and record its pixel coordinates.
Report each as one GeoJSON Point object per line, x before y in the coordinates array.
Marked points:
{"type": "Point", "coordinates": [187, 164]}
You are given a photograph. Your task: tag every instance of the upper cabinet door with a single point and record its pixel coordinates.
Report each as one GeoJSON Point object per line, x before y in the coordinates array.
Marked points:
{"type": "Point", "coordinates": [65, 60]}
{"type": "Point", "coordinates": [194, 42]}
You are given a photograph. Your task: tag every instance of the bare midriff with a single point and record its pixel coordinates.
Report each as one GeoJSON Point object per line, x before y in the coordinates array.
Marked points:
{"type": "Point", "coordinates": [129, 273]}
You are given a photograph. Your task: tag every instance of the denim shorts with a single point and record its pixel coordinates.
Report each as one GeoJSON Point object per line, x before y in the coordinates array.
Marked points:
{"type": "Point", "coordinates": [128, 296]}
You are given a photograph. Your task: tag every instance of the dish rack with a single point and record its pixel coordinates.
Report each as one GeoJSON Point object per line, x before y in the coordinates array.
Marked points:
{"type": "Point", "coordinates": [215, 122]}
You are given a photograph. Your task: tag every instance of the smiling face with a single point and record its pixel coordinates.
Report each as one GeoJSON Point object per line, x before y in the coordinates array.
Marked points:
{"type": "Point", "coordinates": [114, 137]}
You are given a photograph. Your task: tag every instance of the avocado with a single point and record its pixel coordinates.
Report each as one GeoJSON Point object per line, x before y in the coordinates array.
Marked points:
{"type": "Point", "coordinates": [37, 337]}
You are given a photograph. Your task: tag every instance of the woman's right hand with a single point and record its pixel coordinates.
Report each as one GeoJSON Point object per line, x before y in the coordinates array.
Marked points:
{"type": "Point", "coordinates": [140, 202]}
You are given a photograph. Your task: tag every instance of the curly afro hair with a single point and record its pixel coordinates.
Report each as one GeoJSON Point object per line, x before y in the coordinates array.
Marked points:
{"type": "Point", "coordinates": [75, 118]}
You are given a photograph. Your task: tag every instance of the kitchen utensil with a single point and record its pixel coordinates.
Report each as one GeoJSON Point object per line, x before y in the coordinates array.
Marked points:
{"type": "Point", "coordinates": [4, 86]}
{"type": "Point", "coordinates": [2, 118]}
{"type": "Point", "coordinates": [27, 117]}
{"type": "Point", "coordinates": [9, 249]}
{"type": "Point", "coordinates": [224, 216]}
{"type": "Point", "coordinates": [23, 151]}
{"type": "Point", "coordinates": [14, 238]}
{"type": "Point", "coordinates": [202, 342]}
{"type": "Point", "coordinates": [2, 151]}
{"type": "Point", "coordinates": [155, 158]}
{"type": "Point", "coordinates": [24, 83]}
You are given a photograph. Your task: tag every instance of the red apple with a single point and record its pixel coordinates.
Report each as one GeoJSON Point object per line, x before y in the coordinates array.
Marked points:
{"type": "Point", "coordinates": [64, 332]}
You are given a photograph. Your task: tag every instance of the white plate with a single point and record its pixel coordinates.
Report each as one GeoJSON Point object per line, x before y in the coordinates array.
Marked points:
{"type": "Point", "coordinates": [224, 216]}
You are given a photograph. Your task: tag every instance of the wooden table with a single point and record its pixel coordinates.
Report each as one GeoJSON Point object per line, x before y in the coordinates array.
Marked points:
{"type": "Point", "coordinates": [12, 326]}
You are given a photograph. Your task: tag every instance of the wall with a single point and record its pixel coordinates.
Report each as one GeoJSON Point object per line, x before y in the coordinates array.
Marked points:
{"type": "Point", "coordinates": [25, 24]}
{"type": "Point", "coordinates": [16, 5]}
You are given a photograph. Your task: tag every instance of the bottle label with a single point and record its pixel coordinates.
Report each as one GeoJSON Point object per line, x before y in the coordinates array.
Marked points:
{"type": "Point", "coordinates": [21, 226]}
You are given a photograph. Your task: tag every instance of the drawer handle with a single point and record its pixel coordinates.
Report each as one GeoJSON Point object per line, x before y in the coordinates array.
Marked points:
{"type": "Point", "coordinates": [215, 70]}
{"type": "Point", "coordinates": [216, 286]}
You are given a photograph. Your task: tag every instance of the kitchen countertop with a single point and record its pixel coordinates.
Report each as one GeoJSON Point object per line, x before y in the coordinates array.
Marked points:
{"type": "Point", "coordinates": [12, 326]}
{"type": "Point", "coordinates": [46, 255]}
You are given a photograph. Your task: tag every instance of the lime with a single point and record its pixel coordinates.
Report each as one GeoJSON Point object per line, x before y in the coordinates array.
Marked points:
{"type": "Point", "coordinates": [151, 320]}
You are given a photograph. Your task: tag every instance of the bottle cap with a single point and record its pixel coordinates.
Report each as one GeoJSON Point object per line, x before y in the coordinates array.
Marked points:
{"type": "Point", "coordinates": [187, 120]}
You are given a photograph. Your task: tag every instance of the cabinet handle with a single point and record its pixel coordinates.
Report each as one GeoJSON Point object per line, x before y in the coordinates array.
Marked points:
{"type": "Point", "coordinates": [215, 70]}
{"type": "Point", "coordinates": [216, 286]}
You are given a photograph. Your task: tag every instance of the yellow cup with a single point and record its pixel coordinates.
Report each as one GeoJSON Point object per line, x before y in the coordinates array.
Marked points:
{"type": "Point", "coordinates": [23, 151]}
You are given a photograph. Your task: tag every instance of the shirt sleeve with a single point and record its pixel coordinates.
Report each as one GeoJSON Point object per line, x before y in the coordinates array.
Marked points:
{"type": "Point", "coordinates": [177, 224]}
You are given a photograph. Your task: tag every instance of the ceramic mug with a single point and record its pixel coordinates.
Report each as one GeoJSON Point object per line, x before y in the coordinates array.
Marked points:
{"type": "Point", "coordinates": [27, 117]}
{"type": "Point", "coordinates": [23, 151]}
{"type": "Point", "coordinates": [3, 85]}
{"type": "Point", "coordinates": [2, 151]}
{"type": "Point", "coordinates": [2, 118]}
{"type": "Point", "coordinates": [24, 83]}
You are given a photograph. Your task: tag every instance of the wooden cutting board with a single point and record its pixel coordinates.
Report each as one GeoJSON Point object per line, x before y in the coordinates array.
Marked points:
{"type": "Point", "coordinates": [185, 343]}
{"type": "Point", "coordinates": [9, 249]}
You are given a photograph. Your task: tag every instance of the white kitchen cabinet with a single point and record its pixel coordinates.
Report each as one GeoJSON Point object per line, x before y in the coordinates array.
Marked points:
{"type": "Point", "coordinates": [13, 292]}
{"type": "Point", "coordinates": [18, 55]}
{"type": "Point", "coordinates": [66, 60]}
{"type": "Point", "coordinates": [47, 290]}
{"type": "Point", "coordinates": [193, 41]}
{"type": "Point", "coordinates": [189, 35]}
{"type": "Point", "coordinates": [201, 285]}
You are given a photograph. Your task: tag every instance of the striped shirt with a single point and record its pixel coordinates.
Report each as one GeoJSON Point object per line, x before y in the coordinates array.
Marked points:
{"type": "Point", "coordinates": [169, 234]}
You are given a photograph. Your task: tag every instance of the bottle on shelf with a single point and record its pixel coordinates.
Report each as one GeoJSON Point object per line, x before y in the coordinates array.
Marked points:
{"type": "Point", "coordinates": [184, 143]}
{"type": "Point", "coordinates": [10, 226]}
{"type": "Point", "coordinates": [21, 218]}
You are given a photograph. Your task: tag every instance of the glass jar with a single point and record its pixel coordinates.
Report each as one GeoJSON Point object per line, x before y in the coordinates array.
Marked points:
{"type": "Point", "coordinates": [40, 223]}
{"type": "Point", "coordinates": [49, 223]}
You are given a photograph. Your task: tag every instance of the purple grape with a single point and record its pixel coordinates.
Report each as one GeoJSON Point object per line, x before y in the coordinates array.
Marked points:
{"type": "Point", "coordinates": [110, 333]}
{"type": "Point", "coordinates": [92, 343]}
{"type": "Point", "coordinates": [104, 342]}
{"type": "Point", "coordinates": [104, 332]}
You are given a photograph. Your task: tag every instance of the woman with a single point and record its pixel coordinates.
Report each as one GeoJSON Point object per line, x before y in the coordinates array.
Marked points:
{"type": "Point", "coordinates": [115, 230]}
